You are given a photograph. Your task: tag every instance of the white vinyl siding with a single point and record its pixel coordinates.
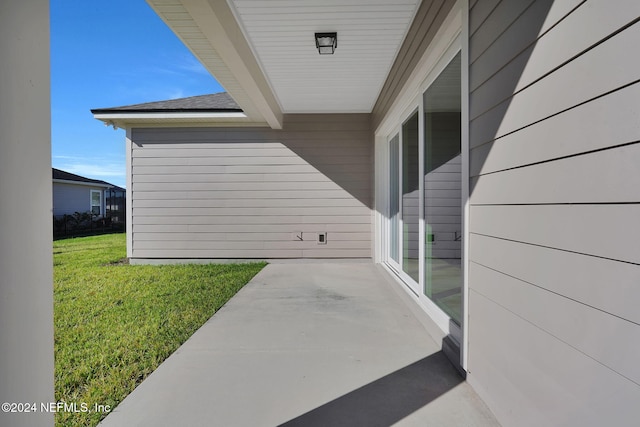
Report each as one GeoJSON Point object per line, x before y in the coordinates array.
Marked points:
{"type": "Point", "coordinates": [554, 254]}
{"type": "Point", "coordinates": [250, 192]}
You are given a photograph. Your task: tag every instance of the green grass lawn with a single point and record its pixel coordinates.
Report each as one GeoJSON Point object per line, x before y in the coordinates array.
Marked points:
{"type": "Point", "coordinates": [115, 323]}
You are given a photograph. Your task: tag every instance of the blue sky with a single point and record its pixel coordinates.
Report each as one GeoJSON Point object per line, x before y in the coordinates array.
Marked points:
{"type": "Point", "coordinates": [108, 54]}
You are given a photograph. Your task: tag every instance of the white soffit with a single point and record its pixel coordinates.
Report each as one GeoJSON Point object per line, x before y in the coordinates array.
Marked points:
{"type": "Point", "coordinates": [281, 35]}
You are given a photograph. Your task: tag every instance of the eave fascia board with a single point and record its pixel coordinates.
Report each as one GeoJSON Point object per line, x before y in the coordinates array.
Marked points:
{"type": "Point", "coordinates": [124, 120]}
{"type": "Point", "coordinates": [226, 54]}
{"type": "Point", "coordinates": [172, 115]}
{"type": "Point", "coordinates": [86, 184]}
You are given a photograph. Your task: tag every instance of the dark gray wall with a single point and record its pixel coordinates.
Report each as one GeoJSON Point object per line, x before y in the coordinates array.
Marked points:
{"type": "Point", "coordinates": [554, 268]}
{"type": "Point", "coordinates": [70, 198]}
{"type": "Point", "coordinates": [250, 192]}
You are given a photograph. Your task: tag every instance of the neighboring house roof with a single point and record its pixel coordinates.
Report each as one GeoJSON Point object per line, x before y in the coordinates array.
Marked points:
{"type": "Point", "coordinates": [215, 102]}
{"type": "Point", "coordinates": [68, 177]}
{"type": "Point", "coordinates": [116, 188]}
{"type": "Point", "coordinates": [212, 109]}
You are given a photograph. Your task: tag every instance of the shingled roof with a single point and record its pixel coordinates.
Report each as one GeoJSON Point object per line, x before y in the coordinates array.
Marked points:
{"type": "Point", "coordinates": [68, 176]}
{"type": "Point", "coordinates": [216, 102]}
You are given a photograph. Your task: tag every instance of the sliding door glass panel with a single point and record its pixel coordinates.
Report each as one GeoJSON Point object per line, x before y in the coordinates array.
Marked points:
{"type": "Point", "coordinates": [394, 198]}
{"type": "Point", "coordinates": [410, 197]}
{"type": "Point", "coordinates": [442, 191]}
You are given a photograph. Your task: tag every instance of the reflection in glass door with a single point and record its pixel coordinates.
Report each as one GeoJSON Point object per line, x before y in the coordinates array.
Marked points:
{"type": "Point", "coordinates": [410, 198]}
{"type": "Point", "coordinates": [425, 227]}
{"type": "Point", "coordinates": [394, 198]}
{"type": "Point", "coordinates": [443, 277]}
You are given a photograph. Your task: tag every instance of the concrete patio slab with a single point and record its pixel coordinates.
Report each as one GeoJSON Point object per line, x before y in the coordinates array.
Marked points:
{"type": "Point", "coordinates": [307, 344]}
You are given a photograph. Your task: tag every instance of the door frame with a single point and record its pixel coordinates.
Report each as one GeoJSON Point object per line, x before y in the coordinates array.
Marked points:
{"type": "Point", "coordinates": [451, 38]}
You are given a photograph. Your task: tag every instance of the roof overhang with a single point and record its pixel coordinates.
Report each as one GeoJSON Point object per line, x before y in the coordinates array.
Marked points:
{"type": "Point", "coordinates": [264, 53]}
{"type": "Point", "coordinates": [175, 119]}
{"type": "Point", "coordinates": [209, 29]}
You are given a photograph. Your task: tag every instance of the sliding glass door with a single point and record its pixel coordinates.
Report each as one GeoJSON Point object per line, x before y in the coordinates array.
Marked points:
{"type": "Point", "coordinates": [443, 191]}
{"type": "Point", "coordinates": [410, 198]}
{"type": "Point", "coordinates": [425, 228]}
{"type": "Point", "coordinates": [394, 198]}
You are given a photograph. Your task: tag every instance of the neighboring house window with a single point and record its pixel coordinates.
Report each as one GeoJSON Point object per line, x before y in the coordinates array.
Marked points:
{"type": "Point", "coordinates": [96, 202]}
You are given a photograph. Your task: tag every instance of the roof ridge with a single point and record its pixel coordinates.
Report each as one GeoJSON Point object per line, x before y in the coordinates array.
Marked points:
{"type": "Point", "coordinates": [219, 101]}
{"type": "Point", "coordinates": [68, 176]}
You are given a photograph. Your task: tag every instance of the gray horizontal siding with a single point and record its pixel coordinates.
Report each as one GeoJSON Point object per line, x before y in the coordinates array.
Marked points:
{"type": "Point", "coordinates": [247, 253]}
{"type": "Point", "coordinates": [250, 193]}
{"type": "Point", "coordinates": [241, 158]}
{"type": "Point", "coordinates": [246, 169]}
{"type": "Point", "coordinates": [596, 125]}
{"type": "Point", "coordinates": [581, 29]}
{"type": "Point", "coordinates": [291, 181]}
{"type": "Point", "coordinates": [492, 117]}
{"type": "Point", "coordinates": [345, 230]}
{"type": "Point", "coordinates": [541, 380]}
{"type": "Point", "coordinates": [188, 209]}
{"type": "Point", "coordinates": [248, 218]}
{"type": "Point", "coordinates": [540, 183]}
{"type": "Point", "coordinates": [257, 243]}
{"type": "Point", "coordinates": [576, 331]}
{"type": "Point", "coordinates": [554, 258]}
{"type": "Point", "coordinates": [240, 236]}
{"type": "Point", "coordinates": [496, 18]}
{"type": "Point", "coordinates": [300, 195]}
{"type": "Point", "coordinates": [265, 202]}
{"type": "Point", "coordinates": [571, 227]}
{"type": "Point", "coordinates": [558, 271]}
{"type": "Point", "coordinates": [479, 11]}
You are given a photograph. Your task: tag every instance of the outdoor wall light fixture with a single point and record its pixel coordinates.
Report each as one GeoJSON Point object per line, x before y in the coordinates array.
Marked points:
{"type": "Point", "coordinates": [326, 43]}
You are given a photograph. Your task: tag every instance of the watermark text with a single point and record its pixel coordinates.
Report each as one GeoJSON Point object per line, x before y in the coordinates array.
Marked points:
{"type": "Point", "coordinates": [54, 407]}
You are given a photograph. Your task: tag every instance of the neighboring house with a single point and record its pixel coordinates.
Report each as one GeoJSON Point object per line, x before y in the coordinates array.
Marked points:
{"type": "Point", "coordinates": [74, 193]}
{"type": "Point", "coordinates": [483, 152]}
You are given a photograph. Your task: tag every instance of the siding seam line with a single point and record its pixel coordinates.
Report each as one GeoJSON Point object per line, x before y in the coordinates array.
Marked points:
{"type": "Point", "coordinates": [548, 73]}
{"type": "Point", "coordinates": [485, 19]}
{"type": "Point", "coordinates": [556, 293]}
{"type": "Point", "coordinates": [552, 248]}
{"type": "Point", "coordinates": [568, 156]}
{"type": "Point", "coordinates": [504, 31]}
{"type": "Point", "coordinates": [556, 337]}
{"type": "Point", "coordinates": [558, 204]}
{"type": "Point", "coordinates": [525, 47]}
{"type": "Point", "coordinates": [558, 113]}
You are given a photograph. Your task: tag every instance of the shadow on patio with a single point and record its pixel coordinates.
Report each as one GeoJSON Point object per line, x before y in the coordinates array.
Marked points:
{"type": "Point", "coordinates": [388, 400]}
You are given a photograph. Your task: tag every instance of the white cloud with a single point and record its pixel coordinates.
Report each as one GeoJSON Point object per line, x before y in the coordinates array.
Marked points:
{"type": "Point", "coordinates": [111, 172]}
{"type": "Point", "coordinates": [68, 158]}
{"type": "Point", "coordinates": [177, 93]}
{"type": "Point", "coordinates": [92, 170]}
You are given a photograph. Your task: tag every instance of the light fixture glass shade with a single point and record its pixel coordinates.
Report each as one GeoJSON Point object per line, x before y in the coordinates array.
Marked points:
{"type": "Point", "coordinates": [326, 43]}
